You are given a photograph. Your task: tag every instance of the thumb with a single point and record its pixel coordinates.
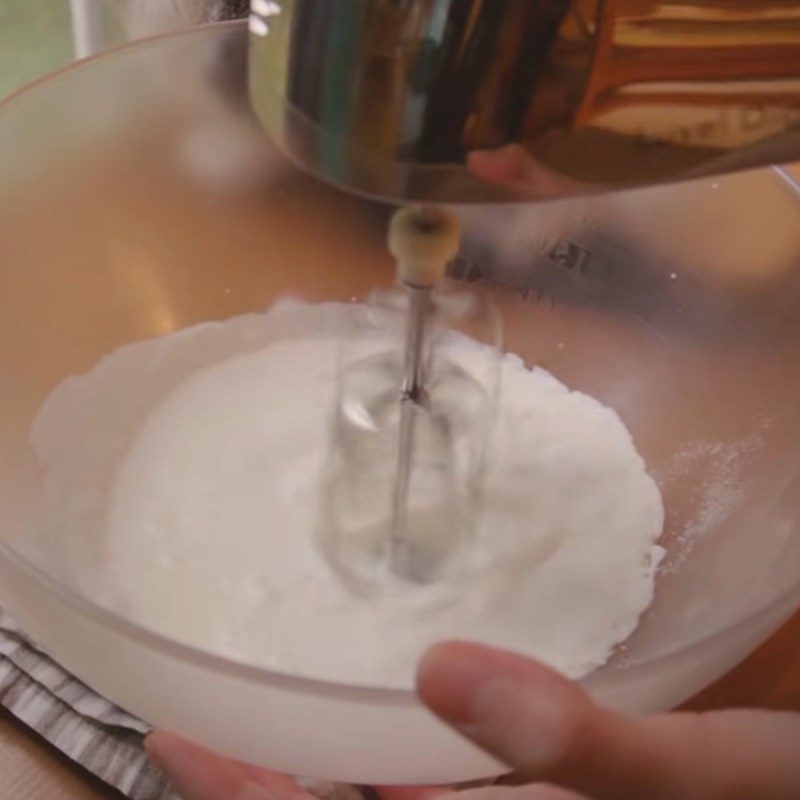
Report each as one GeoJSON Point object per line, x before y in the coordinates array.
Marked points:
{"type": "Point", "coordinates": [546, 728]}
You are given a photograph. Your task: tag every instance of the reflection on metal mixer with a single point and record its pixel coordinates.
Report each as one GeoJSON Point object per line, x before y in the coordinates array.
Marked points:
{"type": "Point", "coordinates": [388, 97]}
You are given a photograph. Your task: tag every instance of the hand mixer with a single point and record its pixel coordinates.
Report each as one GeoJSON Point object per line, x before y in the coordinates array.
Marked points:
{"type": "Point", "coordinates": [423, 241]}
{"type": "Point", "coordinates": [410, 428]}
{"type": "Point", "coordinates": [393, 98]}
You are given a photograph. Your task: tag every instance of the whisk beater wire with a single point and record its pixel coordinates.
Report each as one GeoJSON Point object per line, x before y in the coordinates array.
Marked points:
{"type": "Point", "coordinates": [411, 394]}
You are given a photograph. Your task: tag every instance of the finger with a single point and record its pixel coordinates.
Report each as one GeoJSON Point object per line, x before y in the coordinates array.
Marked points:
{"type": "Point", "coordinates": [503, 165]}
{"type": "Point", "coordinates": [413, 792]}
{"type": "Point", "coordinates": [539, 791]}
{"type": "Point", "coordinates": [546, 791]}
{"type": "Point", "coordinates": [547, 728]}
{"type": "Point", "coordinates": [199, 774]}
{"type": "Point", "coordinates": [281, 786]}
{"type": "Point", "coordinates": [514, 167]}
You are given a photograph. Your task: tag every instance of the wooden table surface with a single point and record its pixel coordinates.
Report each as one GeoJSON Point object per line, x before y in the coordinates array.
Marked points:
{"type": "Point", "coordinates": [31, 770]}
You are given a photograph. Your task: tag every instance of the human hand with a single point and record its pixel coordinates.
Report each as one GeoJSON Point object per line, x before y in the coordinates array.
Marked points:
{"type": "Point", "coordinates": [550, 734]}
{"type": "Point", "coordinates": [513, 167]}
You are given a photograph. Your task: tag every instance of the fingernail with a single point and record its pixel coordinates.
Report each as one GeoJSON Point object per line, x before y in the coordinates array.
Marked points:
{"type": "Point", "coordinates": [526, 726]}
{"type": "Point", "coordinates": [453, 677]}
{"type": "Point", "coordinates": [447, 682]}
{"type": "Point", "coordinates": [252, 791]}
{"type": "Point", "coordinates": [490, 695]}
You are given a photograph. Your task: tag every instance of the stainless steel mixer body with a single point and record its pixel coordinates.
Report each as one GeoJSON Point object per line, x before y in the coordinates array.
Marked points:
{"type": "Point", "coordinates": [389, 97]}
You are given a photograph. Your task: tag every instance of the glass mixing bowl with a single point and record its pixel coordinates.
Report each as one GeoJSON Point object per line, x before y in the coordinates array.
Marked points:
{"type": "Point", "coordinates": [137, 197]}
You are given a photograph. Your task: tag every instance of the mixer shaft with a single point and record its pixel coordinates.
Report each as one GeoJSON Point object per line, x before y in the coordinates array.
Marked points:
{"type": "Point", "coordinates": [423, 241]}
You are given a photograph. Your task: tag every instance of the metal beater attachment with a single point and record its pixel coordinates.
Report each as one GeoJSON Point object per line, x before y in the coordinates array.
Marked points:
{"type": "Point", "coordinates": [410, 422]}
{"type": "Point", "coordinates": [423, 241]}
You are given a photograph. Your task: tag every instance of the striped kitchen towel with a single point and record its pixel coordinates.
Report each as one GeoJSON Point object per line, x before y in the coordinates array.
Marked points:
{"type": "Point", "coordinates": [90, 730]}
{"type": "Point", "coordinates": [87, 728]}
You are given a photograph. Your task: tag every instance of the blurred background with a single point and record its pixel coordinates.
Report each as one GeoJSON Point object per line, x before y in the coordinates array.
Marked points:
{"type": "Point", "coordinates": [35, 38]}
